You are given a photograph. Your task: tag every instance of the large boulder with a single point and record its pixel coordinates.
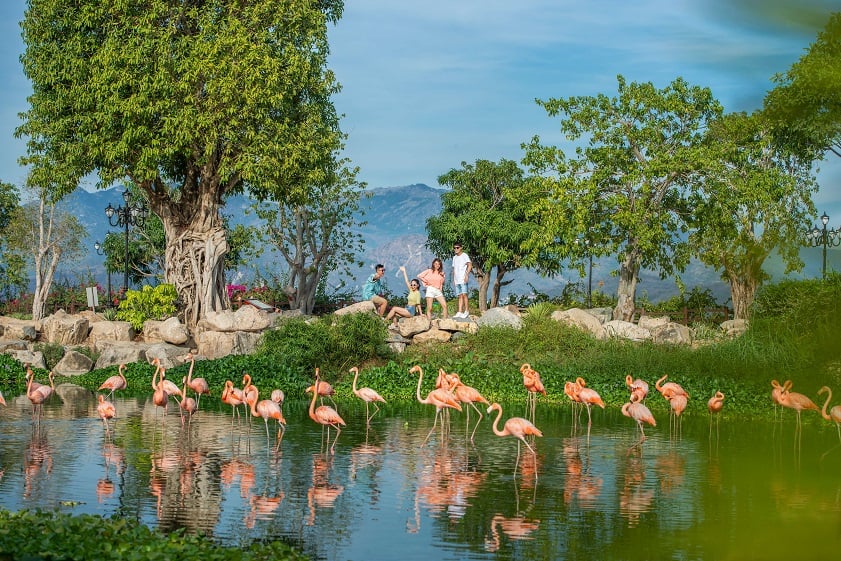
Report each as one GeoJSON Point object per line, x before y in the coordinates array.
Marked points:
{"type": "Point", "coordinates": [626, 330]}
{"type": "Point", "coordinates": [247, 318]}
{"type": "Point", "coordinates": [500, 317]}
{"type": "Point", "coordinates": [26, 330]}
{"type": "Point", "coordinates": [73, 363]}
{"type": "Point", "coordinates": [12, 345]}
{"type": "Point", "coordinates": [456, 326]}
{"type": "Point", "coordinates": [169, 330]}
{"type": "Point", "coordinates": [110, 331]}
{"type": "Point", "coordinates": [673, 333]}
{"type": "Point", "coordinates": [576, 317]}
{"type": "Point", "coordinates": [169, 355]}
{"type": "Point", "coordinates": [216, 344]}
{"type": "Point", "coordinates": [651, 323]}
{"type": "Point", "coordinates": [119, 352]}
{"type": "Point", "coordinates": [409, 327]}
{"type": "Point", "coordinates": [432, 336]}
{"type": "Point", "coordinates": [33, 358]}
{"type": "Point", "coordinates": [365, 306]}
{"type": "Point", "coordinates": [734, 327]}
{"type": "Point", "coordinates": [65, 329]}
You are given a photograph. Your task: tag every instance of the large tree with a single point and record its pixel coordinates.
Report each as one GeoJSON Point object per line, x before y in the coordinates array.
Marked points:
{"type": "Point", "coordinates": [316, 235]}
{"type": "Point", "coordinates": [12, 277]}
{"type": "Point", "coordinates": [45, 235]}
{"type": "Point", "coordinates": [804, 106]}
{"type": "Point", "coordinates": [754, 199]}
{"type": "Point", "coordinates": [189, 100]}
{"type": "Point", "coordinates": [485, 210]}
{"type": "Point", "coordinates": [625, 189]}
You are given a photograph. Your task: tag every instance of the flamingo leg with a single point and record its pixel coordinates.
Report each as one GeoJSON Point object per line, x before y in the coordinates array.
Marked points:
{"type": "Point", "coordinates": [434, 423]}
{"type": "Point", "coordinates": [376, 410]}
{"type": "Point", "coordinates": [338, 432]}
{"type": "Point", "coordinates": [472, 434]}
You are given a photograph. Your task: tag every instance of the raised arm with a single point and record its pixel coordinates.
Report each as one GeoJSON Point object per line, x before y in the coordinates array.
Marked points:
{"type": "Point", "coordinates": [405, 277]}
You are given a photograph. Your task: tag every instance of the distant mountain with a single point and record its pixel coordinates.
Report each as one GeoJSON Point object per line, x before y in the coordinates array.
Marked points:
{"type": "Point", "coordinates": [395, 234]}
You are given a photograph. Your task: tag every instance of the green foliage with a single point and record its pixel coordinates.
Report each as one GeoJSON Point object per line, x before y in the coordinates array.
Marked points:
{"type": "Point", "coordinates": [148, 303]}
{"type": "Point", "coordinates": [53, 353]}
{"type": "Point", "coordinates": [59, 536]}
{"type": "Point", "coordinates": [539, 311]}
{"type": "Point", "coordinates": [332, 343]}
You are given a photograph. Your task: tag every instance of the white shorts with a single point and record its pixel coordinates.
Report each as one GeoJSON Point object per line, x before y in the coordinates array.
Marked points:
{"type": "Point", "coordinates": [432, 292]}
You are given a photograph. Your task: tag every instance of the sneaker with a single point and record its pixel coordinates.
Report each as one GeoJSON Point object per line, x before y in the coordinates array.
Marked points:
{"type": "Point", "coordinates": [461, 315]}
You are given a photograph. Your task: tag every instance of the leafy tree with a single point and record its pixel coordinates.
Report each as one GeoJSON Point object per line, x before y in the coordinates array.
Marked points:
{"type": "Point", "coordinates": [804, 105]}
{"type": "Point", "coordinates": [44, 233]}
{"type": "Point", "coordinates": [189, 101]}
{"type": "Point", "coordinates": [12, 277]}
{"type": "Point", "coordinates": [485, 210]}
{"type": "Point", "coordinates": [625, 190]}
{"type": "Point", "coordinates": [317, 236]}
{"type": "Point", "coordinates": [754, 200]}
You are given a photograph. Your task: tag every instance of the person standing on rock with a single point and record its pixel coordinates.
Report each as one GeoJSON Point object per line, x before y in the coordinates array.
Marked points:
{"type": "Point", "coordinates": [461, 271]}
{"type": "Point", "coordinates": [433, 279]}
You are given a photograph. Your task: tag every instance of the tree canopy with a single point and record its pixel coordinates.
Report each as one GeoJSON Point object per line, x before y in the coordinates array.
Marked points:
{"type": "Point", "coordinates": [625, 188]}
{"type": "Point", "coordinates": [191, 102]}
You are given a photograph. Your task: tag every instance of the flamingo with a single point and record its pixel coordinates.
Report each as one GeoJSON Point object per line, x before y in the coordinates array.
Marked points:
{"type": "Point", "coordinates": [168, 386]}
{"type": "Point", "coordinates": [44, 389]}
{"type": "Point", "coordinates": [115, 383]}
{"type": "Point", "coordinates": [471, 396]}
{"type": "Point", "coordinates": [188, 404]}
{"type": "Point", "coordinates": [106, 410]}
{"type": "Point", "coordinates": [268, 409]}
{"type": "Point", "coordinates": [324, 389]}
{"type": "Point", "coordinates": [798, 402]}
{"type": "Point", "coordinates": [438, 397]}
{"type": "Point", "coordinates": [198, 385]}
{"type": "Point", "coordinates": [36, 397]}
{"type": "Point", "coordinates": [669, 389]}
{"type": "Point", "coordinates": [569, 391]}
{"type": "Point", "coordinates": [715, 405]}
{"type": "Point", "coordinates": [233, 397]}
{"type": "Point", "coordinates": [776, 392]}
{"type": "Point", "coordinates": [517, 427]}
{"type": "Point", "coordinates": [367, 395]}
{"type": "Point", "coordinates": [639, 413]}
{"type": "Point", "coordinates": [533, 385]}
{"type": "Point", "coordinates": [637, 386]}
{"type": "Point", "coordinates": [2, 399]}
{"type": "Point", "coordinates": [326, 416]}
{"type": "Point", "coordinates": [833, 415]}
{"type": "Point", "coordinates": [587, 396]}
{"type": "Point", "coordinates": [277, 396]}
{"type": "Point", "coordinates": [249, 392]}
{"type": "Point", "coordinates": [677, 404]}
{"type": "Point", "coordinates": [159, 396]}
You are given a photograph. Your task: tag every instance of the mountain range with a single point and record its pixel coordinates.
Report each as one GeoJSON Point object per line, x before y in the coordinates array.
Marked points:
{"type": "Point", "coordinates": [395, 234]}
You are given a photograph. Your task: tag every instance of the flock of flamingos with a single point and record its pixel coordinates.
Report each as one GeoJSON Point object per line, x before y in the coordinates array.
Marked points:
{"type": "Point", "coordinates": [449, 393]}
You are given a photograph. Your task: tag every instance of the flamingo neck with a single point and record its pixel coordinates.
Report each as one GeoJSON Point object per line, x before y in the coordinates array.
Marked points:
{"type": "Point", "coordinates": [420, 378]}
{"type": "Point", "coordinates": [496, 423]}
{"type": "Point", "coordinates": [658, 383]}
{"type": "Point", "coordinates": [314, 396]}
{"type": "Point", "coordinates": [253, 404]}
{"type": "Point", "coordinates": [355, 377]}
{"type": "Point", "coordinates": [824, 414]}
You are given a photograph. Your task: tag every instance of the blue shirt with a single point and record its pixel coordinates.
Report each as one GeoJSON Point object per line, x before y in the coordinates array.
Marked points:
{"type": "Point", "coordinates": [372, 287]}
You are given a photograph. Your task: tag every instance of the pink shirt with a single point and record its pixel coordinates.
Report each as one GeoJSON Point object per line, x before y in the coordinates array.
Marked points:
{"type": "Point", "coordinates": [431, 278]}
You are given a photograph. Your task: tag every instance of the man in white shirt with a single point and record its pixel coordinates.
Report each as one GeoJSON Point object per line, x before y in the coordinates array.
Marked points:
{"type": "Point", "coordinates": [461, 271]}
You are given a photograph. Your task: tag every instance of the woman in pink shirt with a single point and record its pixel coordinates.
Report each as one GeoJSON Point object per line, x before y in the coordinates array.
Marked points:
{"type": "Point", "coordinates": [433, 279]}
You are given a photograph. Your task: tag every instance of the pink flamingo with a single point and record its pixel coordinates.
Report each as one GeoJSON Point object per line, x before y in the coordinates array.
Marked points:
{"type": "Point", "coordinates": [233, 397]}
{"type": "Point", "coordinates": [669, 389]}
{"type": "Point", "coordinates": [106, 411]}
{"type": "Point", "coordinates": [198, 385]}
{"type": "Point", "coordinates": [367, 395]}
{"type": "Point", "coordinates": [2, 399]}
{"type": "Point", "coordinates": [776, 392]}
{"type": "Point", "coordinates": [268, 409]}
{"type": "Point", "coordinates": [587, 396]}
{"type": "Point", "coordinates": [115, 383]}
{"type": "Point", "coordinates": [188, 404]}
{"type": "Point", "coordinates": [637, 386]}
{"type": "Point", "coordinates": [324, 389]}
{"type": "Point", "coordinates": [326, 416]}
{"type": "Point", "coordinates": [677, 404]}
{"type": "Point", "coordinates": [470, 396]}
{"type": "Point", "coordinates": [639, 413]}
{"type": "Point", "coordinates": [159, 396]}
{"type": "Point", "coordinates": [517, 427]}
{"type": "Point", "coordinates": [715, 405]}
{"type": "Point", "coordinates": [798, 402]}
{"type": "Point", "coordinates": [438, 397]}
{"type": "Point", "coordinates": [533, 385]}
{"type": "Point", "coordinates": [834, 413]}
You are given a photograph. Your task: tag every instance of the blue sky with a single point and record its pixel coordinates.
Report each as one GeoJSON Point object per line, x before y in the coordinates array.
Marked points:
{"type": "Point", "coordinates": [427, 85]}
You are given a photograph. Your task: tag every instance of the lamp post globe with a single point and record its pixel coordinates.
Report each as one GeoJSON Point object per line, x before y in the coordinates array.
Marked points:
{"type": "Point", "coordinates": [125, 216]}
{"type": "Point", "coordinates": [821, 237]}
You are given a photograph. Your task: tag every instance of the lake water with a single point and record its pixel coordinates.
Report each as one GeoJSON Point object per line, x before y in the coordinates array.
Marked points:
{"type": "Point", "coordinates": [742, 490]}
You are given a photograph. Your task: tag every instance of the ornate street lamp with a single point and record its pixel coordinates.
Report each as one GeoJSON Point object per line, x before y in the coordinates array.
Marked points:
{"type": "Point", "coordinates": [822, 237]}
{"type": "Point", "coordinates": [100, 250]}
{"type": "Point", "coordinates": [125, 216]}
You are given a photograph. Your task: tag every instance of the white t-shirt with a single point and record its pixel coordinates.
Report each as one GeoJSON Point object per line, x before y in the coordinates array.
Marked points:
{"type": "Point", "coordinates": [460, 262]}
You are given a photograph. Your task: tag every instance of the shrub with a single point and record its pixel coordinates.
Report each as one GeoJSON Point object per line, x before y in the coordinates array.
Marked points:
{"type": "Point", "coordinates": [148, 303]}
{"type": "Point", "coordinates": [53, 353]}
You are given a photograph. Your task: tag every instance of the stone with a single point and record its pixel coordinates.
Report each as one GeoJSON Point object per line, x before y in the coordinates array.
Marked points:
{"type": "Point", "coordinates": [734, 327]}
{"type": "Point", "coordinates": [33, 358]}
{"type": "Point", "coordinates": [604, 315]}
{"type": "Point", "coordinates": [651, 322]}
{"type": "Point", "coordinates": [12, 345]}
{"type": "Point", "coordinates": [576, 317]}
{"type": "Point", "coordinates": [500, 317]}
{"type": "Point", "coordinates": [409, 327]}
{"type": "Point", "coordinates": [249, 318]}
{"type": "Point", "coordinates": [366, 306]}
{"type": "Point", "coordinates": [73, 363]}
{"type": "Point", "coordinates": [673, 333]}
{"type": "Point", "coordinates": [119, 352]}
{"type": "Point", "coordinates": [65, 329]}
{"type": "Point", "coordinates": [174, 332]}
{"type": "Point", "coordinates": [169, 355]}
{"type": "Point", "coordinates": [91, 316]}
{"type": "Point", "coordinates": [455, 326]}
{"type": "Point", "coordinates": [432, 336]}
{"type": "Point", "coordinates": [216, 344]}
{"type": "Point", "coordinates": [110, 331]}
{"type": "Point", "coordinates": [26, 330]}
{"type": "Point", "coordinates": [626, 330]}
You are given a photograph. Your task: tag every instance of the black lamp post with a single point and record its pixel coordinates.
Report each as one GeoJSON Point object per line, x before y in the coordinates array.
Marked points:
{"type": "Point", "coordinates": [101, 251]}
{"type": "Point", "coordinates": [823, 237]}
{"type": "Point", "coordinates": [125, 216]}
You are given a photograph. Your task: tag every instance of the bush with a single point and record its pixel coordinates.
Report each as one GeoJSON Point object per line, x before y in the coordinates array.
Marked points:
{"type": "Point", "coordinates": [148, 303]}
{"type": "Point", "coordinates": [53, 353]}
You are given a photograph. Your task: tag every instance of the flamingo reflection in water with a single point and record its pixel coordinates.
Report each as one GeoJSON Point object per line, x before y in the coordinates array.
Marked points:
{"type": "Point", "coordinates": [113, 456]}
{"type": "Point", "coordinates": [514, 528]}
{"type": "Point", "coordinates": [635, 498]}
{"type": "Point", "coordinates": [321, 493]}
{"type": "Point", "coordinates": [37, 456]}
{"type": "Point", "coordinates": [579, 485]}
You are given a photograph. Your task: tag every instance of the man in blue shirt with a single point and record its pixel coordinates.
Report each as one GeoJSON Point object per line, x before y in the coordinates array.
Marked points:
{"type": "Point", "coordinates": [374, 289]}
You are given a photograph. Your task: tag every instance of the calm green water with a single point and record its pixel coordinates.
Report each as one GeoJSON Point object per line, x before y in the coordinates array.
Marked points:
{"type": "Point", "coordinates": [746, 490]}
